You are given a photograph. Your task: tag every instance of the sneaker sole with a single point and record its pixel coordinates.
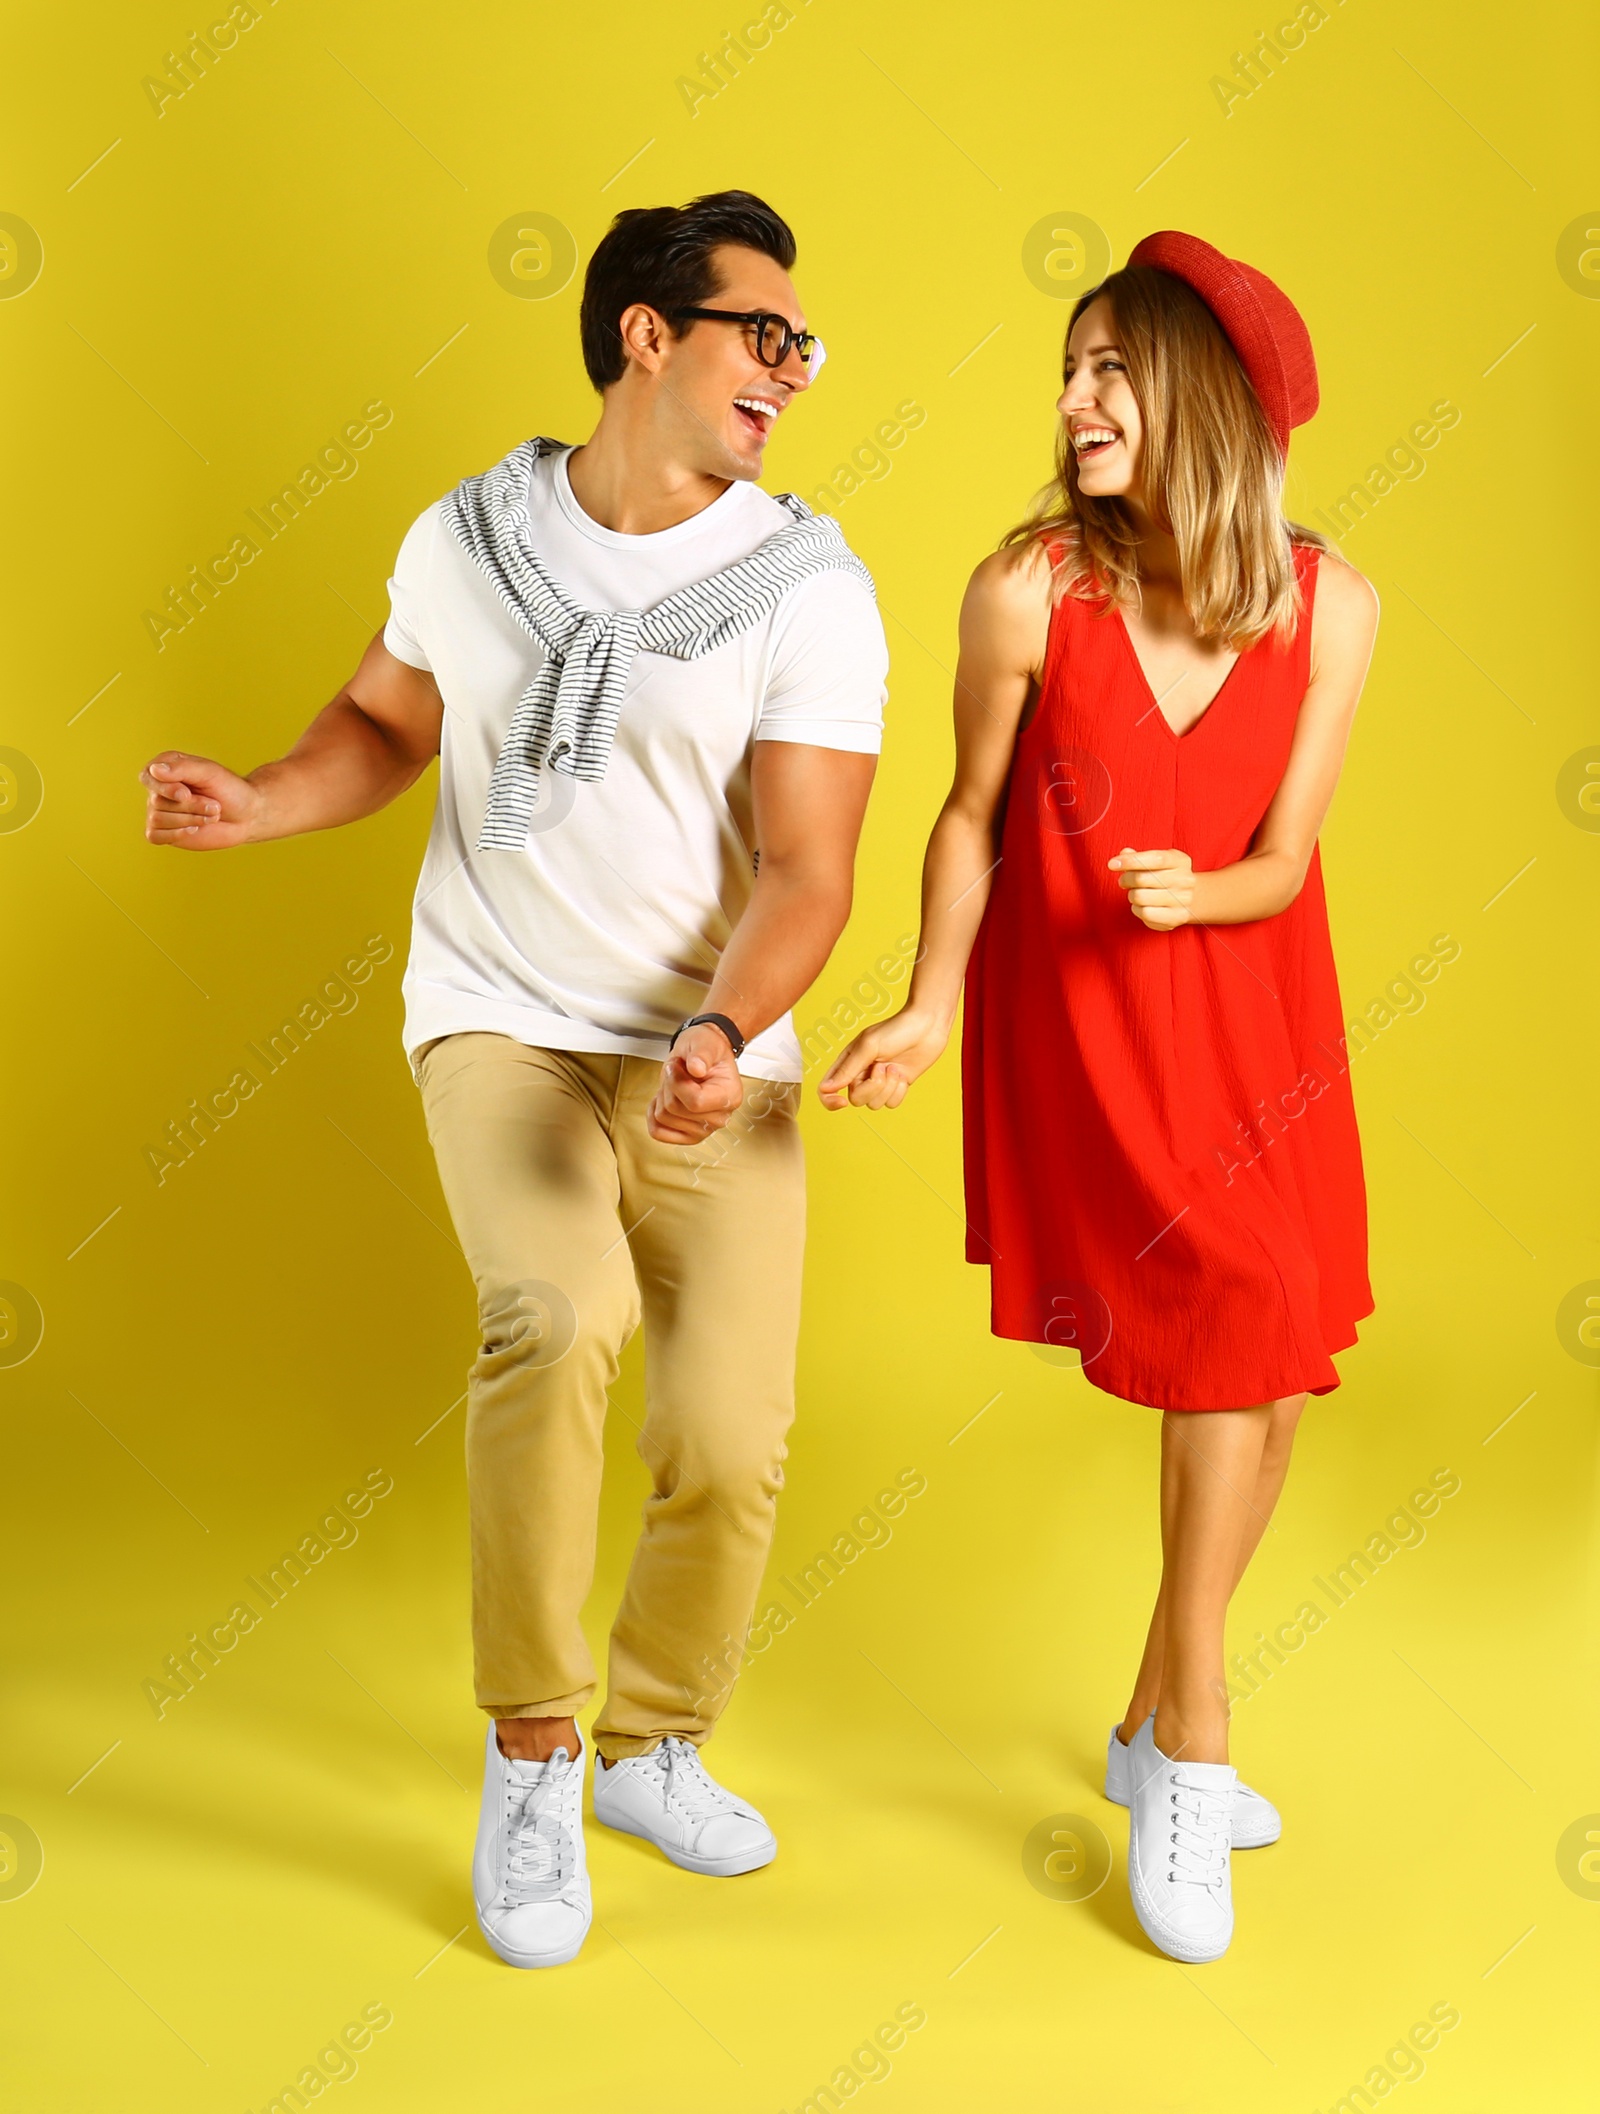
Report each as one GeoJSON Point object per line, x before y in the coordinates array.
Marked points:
{"type": "Point", "coordinates": [686, 1861]}
{"type": "Point", "coordinates": [1185, 1951]}
{"type": "Point", "coordinates": [503, 1952]}
{"type": "Point", "coordinates": [1257, 1842]}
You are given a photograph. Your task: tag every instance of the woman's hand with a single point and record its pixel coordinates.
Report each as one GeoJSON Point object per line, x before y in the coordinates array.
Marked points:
{"type": "Point", "coordinates": [1160, 886]}
{"type": "Point", "coordinates": [877, 1069]}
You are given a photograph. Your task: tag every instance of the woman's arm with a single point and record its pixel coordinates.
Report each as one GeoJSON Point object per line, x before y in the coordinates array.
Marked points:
{"type": "Point", "coordinates": [1164, 891]}
{"type": "Point", "coordinates": [1005, 625]}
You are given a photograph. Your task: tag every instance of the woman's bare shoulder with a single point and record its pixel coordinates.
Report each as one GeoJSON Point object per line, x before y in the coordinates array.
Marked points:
{"type": "Point", "coordinates": [1005, 613]}
{"type": "Point", "coordinates": [1348, 596]}
{"type": "Point", "coordinates": [1344, 624]}
{"type": "Point", "coordinates": [1011, 587]}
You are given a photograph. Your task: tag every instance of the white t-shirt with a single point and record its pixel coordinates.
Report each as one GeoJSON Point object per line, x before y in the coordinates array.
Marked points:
{"type": "Point", "coordinates": [606, 931]}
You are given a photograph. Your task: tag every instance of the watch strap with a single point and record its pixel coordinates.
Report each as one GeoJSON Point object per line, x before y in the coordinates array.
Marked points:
{"type": "Point", "coordinates": [713, 1020]}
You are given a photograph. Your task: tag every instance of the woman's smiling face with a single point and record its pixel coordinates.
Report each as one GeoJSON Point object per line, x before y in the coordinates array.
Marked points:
{"type": "Point", "coordinates": [1098, 405]}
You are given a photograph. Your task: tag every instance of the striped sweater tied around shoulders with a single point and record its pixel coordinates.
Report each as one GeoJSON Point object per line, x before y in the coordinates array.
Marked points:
{"type": "Point", "coordinates": [566, 719]}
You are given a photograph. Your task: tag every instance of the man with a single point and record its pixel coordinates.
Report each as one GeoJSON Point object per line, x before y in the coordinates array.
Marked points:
{"type": "Point", "coordinates": [656, 695]}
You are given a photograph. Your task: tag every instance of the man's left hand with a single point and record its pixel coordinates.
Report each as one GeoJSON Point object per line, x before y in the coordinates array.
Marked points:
{"type": "Point", "coordinates": [700, 1088]}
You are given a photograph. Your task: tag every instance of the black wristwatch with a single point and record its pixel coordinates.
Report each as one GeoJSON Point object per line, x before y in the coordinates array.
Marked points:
{"type": "Point", "coordinates": [714, 1020]}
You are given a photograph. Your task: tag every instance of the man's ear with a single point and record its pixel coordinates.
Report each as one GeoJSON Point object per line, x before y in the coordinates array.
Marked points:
{"type": "Point", "coordinates": [644, 334]}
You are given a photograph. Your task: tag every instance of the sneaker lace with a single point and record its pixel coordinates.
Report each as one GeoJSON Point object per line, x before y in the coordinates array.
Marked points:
{"type": "Point", "coordinates": [684, 1782]}
{"type": "Point", "coordinates": [541, 1847]}
{"type": "Point", "coordinates": [1200, 1833]}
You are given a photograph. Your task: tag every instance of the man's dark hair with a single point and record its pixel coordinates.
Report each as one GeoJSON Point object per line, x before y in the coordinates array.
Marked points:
{"type": "Point", "coordinates": [661, 255]}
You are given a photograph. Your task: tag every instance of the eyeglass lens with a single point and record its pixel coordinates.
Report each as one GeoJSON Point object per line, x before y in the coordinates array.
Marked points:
{"type": "Point", "coordinates": [775, 340]}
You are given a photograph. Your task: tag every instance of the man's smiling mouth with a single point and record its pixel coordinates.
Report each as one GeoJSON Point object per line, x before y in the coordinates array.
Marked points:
{"type": "Point", "coordinates": [758, 412]}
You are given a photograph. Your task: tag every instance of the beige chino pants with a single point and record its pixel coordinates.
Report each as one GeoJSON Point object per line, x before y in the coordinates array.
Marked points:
{"type": "Point", "coordinates": [576, 1224]}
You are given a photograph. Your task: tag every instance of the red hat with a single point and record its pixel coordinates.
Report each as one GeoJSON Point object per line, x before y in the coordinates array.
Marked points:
{"type": "Point", "coordinates": [1259, 320]}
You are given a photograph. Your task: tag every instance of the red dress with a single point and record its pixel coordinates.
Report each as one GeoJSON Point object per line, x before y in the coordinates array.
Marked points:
{"type": "Point", "coordinates": [1162, 1165]}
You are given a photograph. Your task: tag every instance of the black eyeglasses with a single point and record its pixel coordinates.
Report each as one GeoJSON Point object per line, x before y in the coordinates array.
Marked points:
{"type": "Point", "coordinates": [775, 337]}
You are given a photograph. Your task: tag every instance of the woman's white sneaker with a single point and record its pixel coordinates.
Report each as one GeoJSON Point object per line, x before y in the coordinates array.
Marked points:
{"type": "Point", "coordinates": [529, 1875]}
{"type": "Point", "coordinates": [666, 1797]}
{"type": "Point", "coordinates": [1179, 1873]}
{"type": "Point", "coordinates": [1256, 1821]}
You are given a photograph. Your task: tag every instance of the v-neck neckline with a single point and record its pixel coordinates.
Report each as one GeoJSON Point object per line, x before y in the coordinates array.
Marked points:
{"type": "Point", "coordinates": [1155, 703]}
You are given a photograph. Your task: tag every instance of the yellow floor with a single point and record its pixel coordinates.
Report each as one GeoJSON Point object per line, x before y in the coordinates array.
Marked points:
{"type": "Point", "coordinates": [238, 1881]}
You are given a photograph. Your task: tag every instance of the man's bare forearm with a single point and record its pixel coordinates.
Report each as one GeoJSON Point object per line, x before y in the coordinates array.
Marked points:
{"type": "Point", "coordinates": [343, 767]}
{"type": "Point", "coordinates": [779, 947]}
{"type": "Point", "coordinates": [359, 753]}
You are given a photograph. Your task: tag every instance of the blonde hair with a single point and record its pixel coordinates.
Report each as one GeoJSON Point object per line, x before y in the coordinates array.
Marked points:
{"type": "Point", "coordinates": [1210, 469]}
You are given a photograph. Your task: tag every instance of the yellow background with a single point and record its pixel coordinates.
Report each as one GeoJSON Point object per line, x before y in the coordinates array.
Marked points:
{"type": "Point", "coordinates": [228, 1352]}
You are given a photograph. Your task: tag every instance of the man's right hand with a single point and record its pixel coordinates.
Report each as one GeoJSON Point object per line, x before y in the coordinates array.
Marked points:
{"type": "Point", "coordinates": [363, 750]}
{"type": "Point", "coordinates": [197, 805]}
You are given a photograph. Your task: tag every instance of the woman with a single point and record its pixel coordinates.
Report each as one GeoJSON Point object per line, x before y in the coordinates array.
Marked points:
{"type": "Point", "coordinates": [1157, 681]}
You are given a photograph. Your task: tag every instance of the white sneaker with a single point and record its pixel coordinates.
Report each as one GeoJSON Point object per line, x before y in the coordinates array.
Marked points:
{"type": "Point", "coordinates": [1256, 1820]}
{"type": "Point", "coordinates": [529, 1876]}
{"type": "Point", "coordinates": [667, 1797]}
{"type": "Point", "coordinates": [1179, 1873]}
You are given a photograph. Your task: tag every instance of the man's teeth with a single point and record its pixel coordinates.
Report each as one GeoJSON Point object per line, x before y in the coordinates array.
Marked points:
{"type": "Point", "coordinates": [758, 405]}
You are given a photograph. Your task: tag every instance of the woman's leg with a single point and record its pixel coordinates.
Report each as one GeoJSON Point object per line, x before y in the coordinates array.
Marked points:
{"type": "Point", "coordinates": [1255, 1512]}
{"type": "Point", "coordinates": [1270, 1478]}
{"type": "Point", "coordinates": [1215, 1457]}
